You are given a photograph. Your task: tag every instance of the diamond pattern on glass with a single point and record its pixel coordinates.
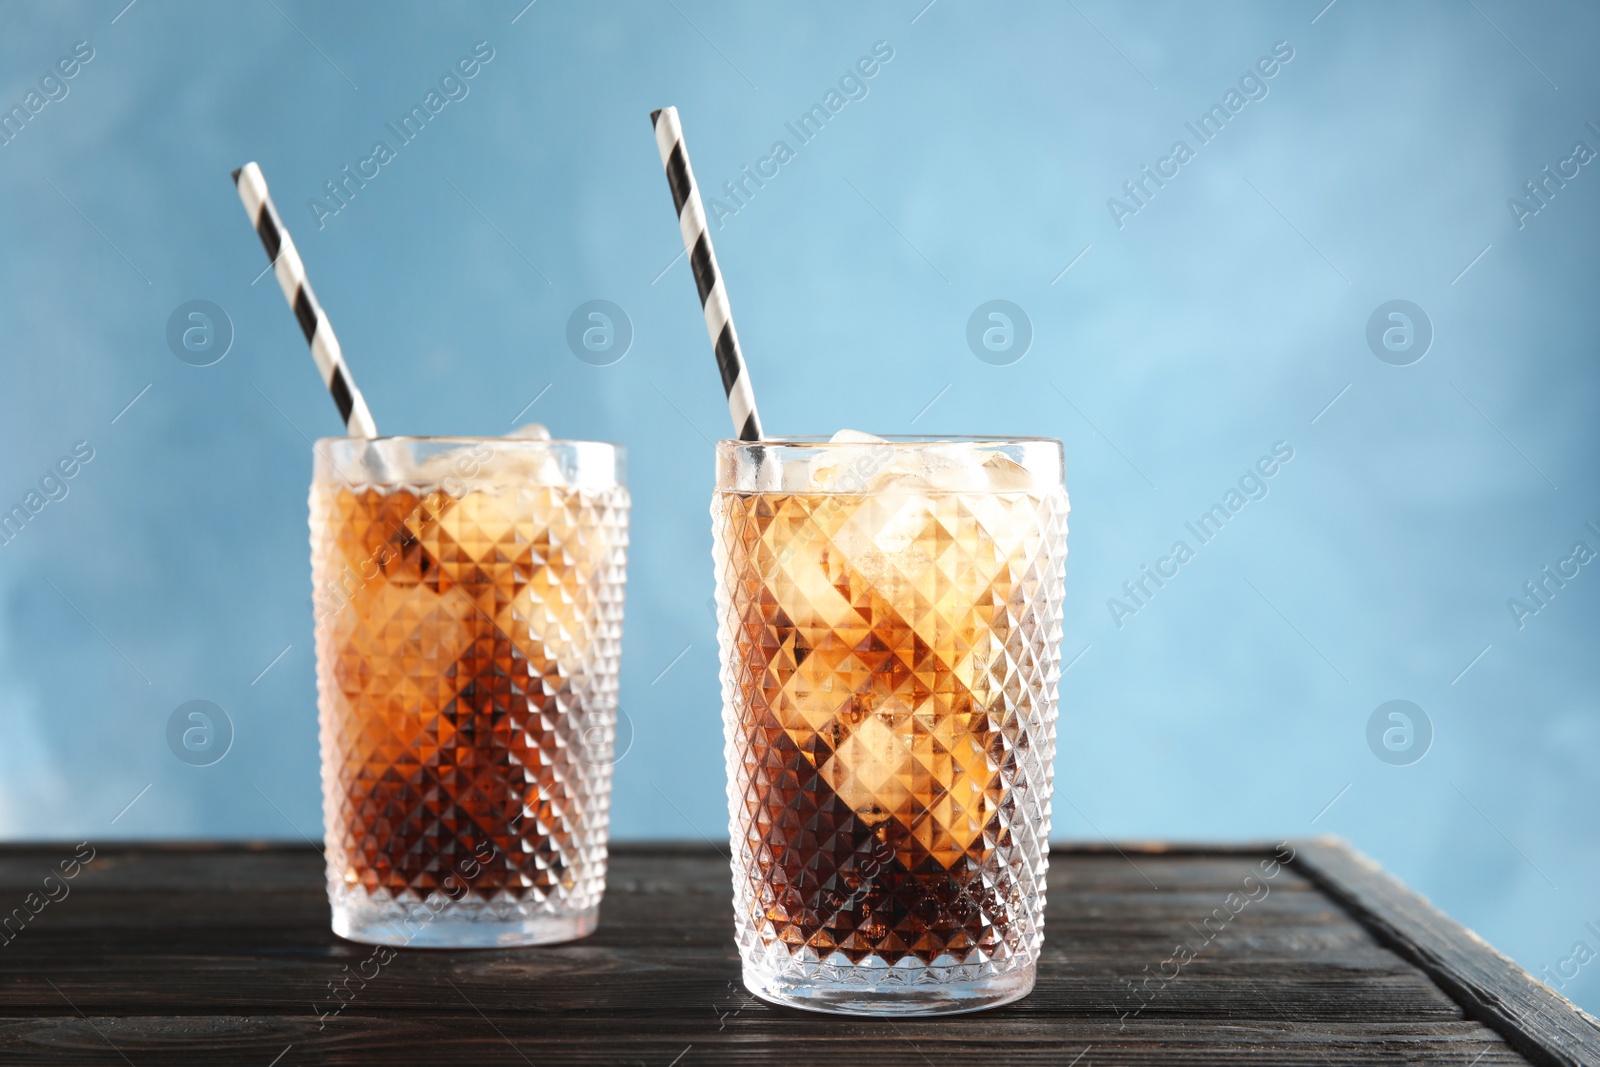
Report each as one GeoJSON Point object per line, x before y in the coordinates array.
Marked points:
{"type": "Point", "coordinates": [890, 667]}
{"type": "Point", "coordinates": [467, 654]}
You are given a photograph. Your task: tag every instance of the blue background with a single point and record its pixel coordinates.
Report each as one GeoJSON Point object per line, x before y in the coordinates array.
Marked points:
{"type": "Point", "coordinates": [1221, 318]}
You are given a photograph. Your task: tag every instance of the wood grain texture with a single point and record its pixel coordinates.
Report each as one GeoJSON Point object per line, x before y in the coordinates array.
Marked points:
{"type": "Point", "coordinates": [1532, 1017]}
{"type": "Point", "coordinates": [221, 954]}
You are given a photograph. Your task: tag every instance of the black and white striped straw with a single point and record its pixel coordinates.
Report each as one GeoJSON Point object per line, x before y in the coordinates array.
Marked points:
{"type": "Point", "coordinates": [707, 277]}
{"type": "Point", "coordinates": [291, 272]}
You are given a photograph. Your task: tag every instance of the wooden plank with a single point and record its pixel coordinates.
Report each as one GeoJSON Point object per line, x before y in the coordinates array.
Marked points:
{"type": "Point", "coordinates": [1536, 1020]}
{"type": "Point", "coordinates": [215, 954]}
{"type": "Point", "coordinates": [801, 1038]}
{"type": "Point", "coordinates": [635, 987]}
{"type": "Point", "coordinates": [191, 953]}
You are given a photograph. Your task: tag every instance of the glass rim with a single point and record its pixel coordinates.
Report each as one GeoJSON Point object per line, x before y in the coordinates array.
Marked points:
{"type": "Point", "coordinates": [900, 439]}
{"type": "Point", "coordinates": [451, 439]}
{"type": "Point", "coordinates": [482, 461]}
{"type": "Point", "coordinates": [784, 464]}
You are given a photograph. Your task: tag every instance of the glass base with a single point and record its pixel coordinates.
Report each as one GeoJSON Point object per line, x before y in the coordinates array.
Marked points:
{"type": "Point", "coordinates": [873, 996]}
{"type": "Point", "coordinates": [457, 925]}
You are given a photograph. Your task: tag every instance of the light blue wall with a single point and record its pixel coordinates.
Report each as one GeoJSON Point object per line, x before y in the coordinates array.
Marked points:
{"type": "Point", "coordinates": [1221, 318]}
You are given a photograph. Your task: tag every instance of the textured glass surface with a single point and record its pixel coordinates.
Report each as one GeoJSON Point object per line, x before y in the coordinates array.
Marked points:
{"type": "Point", "coordinates": [889, 670]}
{"type": "Point", "coordinates": [467, 652]}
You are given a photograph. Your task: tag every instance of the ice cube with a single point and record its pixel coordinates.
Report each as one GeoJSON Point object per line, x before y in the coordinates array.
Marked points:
{"type": "Point", "coordinates": [906, 520]}
{"type": "Point", "coordinates": [383, 461]}
{"type": "Point", "coordinates": [450, 468]}
{"type": "Point", "coordinates": [492, 465]}
{"type": "Point", "coordinates": [947, 468]}
{"type": "Point", "coordinates": [795, 475]}
{"type": "Point", "coordinates": [847, 470]}
{"type": "Point", "coordinates": [856, 437]}
{"type": "Point", "coordinates": [1006, 475]}
{"type": "Point", "coordinates": [536, 465]}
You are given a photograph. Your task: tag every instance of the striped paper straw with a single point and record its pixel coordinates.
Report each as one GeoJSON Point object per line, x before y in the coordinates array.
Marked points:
{"type": "Point", "coordinates": [707, 278]}
{"type": "Point", "coordinates": [296, 288]}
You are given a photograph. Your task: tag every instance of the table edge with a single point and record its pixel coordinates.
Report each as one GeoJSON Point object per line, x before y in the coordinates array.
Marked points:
{"type": "Point", "coordinates": [1541, 1024]}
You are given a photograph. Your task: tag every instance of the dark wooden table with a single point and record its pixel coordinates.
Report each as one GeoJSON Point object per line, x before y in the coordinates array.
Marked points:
{"type": "Point", "coordinates": [221, 954]}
